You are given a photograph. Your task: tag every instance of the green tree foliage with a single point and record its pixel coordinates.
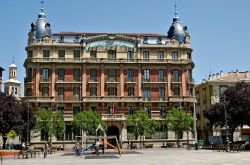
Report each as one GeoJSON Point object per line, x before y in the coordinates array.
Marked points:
{"type": "Point", "coordinates": [87, 121]}
{"type": "Point", "coordinates": [140, 124]}
{"type": "Point", "coordinates": [14, 116]}
{"type": "Point", "coordinates": [51, 122]}
{"type": "Point", "coordinates": [179, 121]}
{"type": "Point", "coordinates": [235, 101]}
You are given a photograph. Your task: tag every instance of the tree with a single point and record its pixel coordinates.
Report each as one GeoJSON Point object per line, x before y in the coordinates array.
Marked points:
{"type": "Point", "coordinates": [139, 124]}
{"type": "Point", "coordinates": [235, 103]}
{"type": "Point", "coordinates": [14, 116]}
{"type": "Point", "coordinates": [87, 121]}
{"type": "Point", "coordinates": [50, 122]}
{"type": "Point", "coordinates": [179, 121]}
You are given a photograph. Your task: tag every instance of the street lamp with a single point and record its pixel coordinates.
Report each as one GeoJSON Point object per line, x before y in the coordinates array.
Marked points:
{"type": "Point", "coordinates": [28, 124]}
{"type": "Point", "coordinates": [53, 107]}
{"type": "Point", "coordinates": [195, 120]}
{"type": "Point", "coordinates": [227, 138]}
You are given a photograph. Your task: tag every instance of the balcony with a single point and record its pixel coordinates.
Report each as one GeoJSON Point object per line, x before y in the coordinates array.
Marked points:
{"type": "Point", "coordinates": [93, 80]}
{"type": "Point", "coordinates": [175, 81]}
{"type": "Point", "coordinates": [180, 99]}
{"type": "Point", "coordinates": [39, 99]}
{"type": "Point", "coordinates": [130, 80]}
{"type": "Point", "coordinates": [68, 80]}
{"type": "Point", "coordinates": [116, 117]}
{"type": "Point", "coordinates": [111, 99]}
{"type": "Point", "coordinates": [155, 99]}
{"type": "Point", "coordinates": [45, 80]}
{"type": "Point", "coordinates": [68, 99]}
{"type": "Point", "coordinates": [154, 81]}
{"type": "Point", "coordinates": [28, 80]}
{"type": "Point", "coordinates": [112, 80]}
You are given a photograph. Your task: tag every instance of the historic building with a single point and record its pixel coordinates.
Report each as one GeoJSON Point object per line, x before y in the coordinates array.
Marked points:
{"type": "Point", "coordinates": [12, 86]}
{"type": "Point", "coordinates": [1, 78]}
{"type": "Point", "coordinates": [114, 74]}
{"type": "Point", "coordinates": [208, 93]}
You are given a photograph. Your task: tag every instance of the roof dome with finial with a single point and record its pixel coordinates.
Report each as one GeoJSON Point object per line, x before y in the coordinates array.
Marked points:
{"type": "Point", "coordinates": [177, 29]}
{"type": "Point", "coordinates": [41, 27]}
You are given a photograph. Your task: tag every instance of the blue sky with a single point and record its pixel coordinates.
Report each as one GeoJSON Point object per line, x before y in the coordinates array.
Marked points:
{"type": "Point", "coordinates": [219, 29]}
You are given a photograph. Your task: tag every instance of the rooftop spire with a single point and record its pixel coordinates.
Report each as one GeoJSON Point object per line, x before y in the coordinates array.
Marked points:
{"type": "Point", "coordinates": [42, 3]}
{"type": "Point", "coordinates": [175, 9]}
{"type": "Point", "coordinates": [13, 60]}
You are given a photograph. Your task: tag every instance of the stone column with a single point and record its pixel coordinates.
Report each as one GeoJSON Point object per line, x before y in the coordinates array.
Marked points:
{"type": "Point", "coordinates": [183, 82]}
{"type": "Point", "coordinates": [122, 81]}
{"type": "Point", "coordinates": [84, 83]}
{"type": "Point", "coordinates": [53, 80]}
{"type": "Point", "coordinates": [169, 82]}
{"type": "Point", "coordinates": [102, 81]}
{"type": "Point", "coordinates": [139, 81]}
{"type": "Point", "coordinates": [37, 79]}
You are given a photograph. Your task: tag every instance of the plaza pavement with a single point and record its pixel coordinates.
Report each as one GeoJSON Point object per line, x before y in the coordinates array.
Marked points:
{"type": "Point", "coordinates": [140, 157]}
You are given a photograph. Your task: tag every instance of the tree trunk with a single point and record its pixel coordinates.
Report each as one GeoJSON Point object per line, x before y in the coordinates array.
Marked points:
{"type": "Point", "coordinates": [4, 142]}
{"type": "Point", "coordinates": [178, 142]}
{"type": "Point", "coordinates": [231, 137]}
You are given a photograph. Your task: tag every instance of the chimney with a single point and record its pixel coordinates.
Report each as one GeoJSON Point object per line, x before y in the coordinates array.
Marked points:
{"type": "Point", "coordinates": [209, 77]}
{"type": "Point", "coordinates": [247, 74]}
{"type": "Point", "coordinates": [213, 77]}
{"type": "Point", "coordinates": [237, 72]}
{"type": "Point", "coordinates": [217, 75]}
{"type": "Point", "coordinates": [221, 73]}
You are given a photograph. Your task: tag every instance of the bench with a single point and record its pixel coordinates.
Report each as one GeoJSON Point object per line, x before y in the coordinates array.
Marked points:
{"type": "Point", "coordinates": [132, 146]}
{"type": "Point", "coordinates": [236, 147]}
{"type": "Point", "coordinates": [148, 145]}
{"type": "Point", "coordinates": [219, 147]}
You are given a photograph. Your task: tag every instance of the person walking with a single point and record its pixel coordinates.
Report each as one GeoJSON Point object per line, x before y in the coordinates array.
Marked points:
{"type": "Point", "coordinates": [97, 145]}
{"type": "Point", "coordinates": [45, 150]}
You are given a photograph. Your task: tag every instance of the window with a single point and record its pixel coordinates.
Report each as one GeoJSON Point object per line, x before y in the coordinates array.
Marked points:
{"type": "Point", "coordinates": [162, 111]}
{"type": "Point", "coordinates": [204, 96]}
{"type": "Point", "coordinates": [112, 91]}
{"type": "Point", "coordinates": [145, 40]}
{"type": "Point", "coordinates": [76, 93]}
{"type": "Point", "coordinates": [146, 75]}
{"type": "Point", "coordinates": [61, 72]}
{"type": "Point", "coordinates": [93, 74]}
{"type": "Point", "coordinates": [175, 55]}
{"type": "Point", "coordinates": [60, 109]}
{"type": "Point", "coordinates": [176, 90]}
{"type": "Point", "coordinates": [146, 55]}
{"type": "Point", "coordinates": [15, 90]}
{"type": "Point", "coordinates": [197, 94]}
{"type": "Point", "coordinates": [76, 110]}
{"type": "Point", "coordinates": [147, 93]}
{"type": "Point", "coordinates": [29, 92]}
{"type": "Point", "coordinates": [46, 54]}
{"type": "Point", "coordinates": [130, 91]}
{"type": "Point", "coordinates": [45, 74]}
{"type": "Point", "coordinates": [60, 94]}
{"type": "Point", "coordinates": [93, 54]}
{"type": "Point", "coordinates": [76, 54]}
{"type": "Point", "coordinates": [112, 74]}
{"type": "Point", "coordinates": [191, 91]}
{"type": "Point", "coordinates": [92, 108]}
{"type": "Point", "coordinates": [190, 79]}
{"type": "Point", "coordinates": [45, 91]}
{"type": "Point", "coordinates": [175, 75]}
{"type": "Point", "coordinates": [12, 90]}
{"type": "Point", "coordinates": [162, 93]}
{"type": "Point", "coordinates": [148, 109]}
{"type": "Point", "coordinates": [222, 89]}
{"type": "Point", "coordinates": [93, 91]}
{"type": "Point", "coordinates": [30, 54]}
{"type": "Point", "coordinates": [131, 110]}
{"type": "Point", "coordinates": [29, 75]}
{"type": "Point", "coordinates": [76, 74]}
{"type": "Point", "coordinates": [159, 40]}
{"type": "Point", "coordinates": [111, 54]}
{"type": "Point", "coordinates": [130, 55]}
{"type": "Point", "coordinates": [160, 55]}
{"type": "Point", "coordinates": [61, 54]}
{"type": "Point", "coordinates": [189, 56]}
{"type": "Point", "coordinates": [161, 75]}
{"type": "Point", "coordinates": [130, 75]}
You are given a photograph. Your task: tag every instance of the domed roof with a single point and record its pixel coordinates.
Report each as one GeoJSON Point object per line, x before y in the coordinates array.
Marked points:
{"type": "Point", "coordinates": [177, 30]}
{"type": "Point", "coordinates": [41, 27]}
{"type": "Point", "coordinates": [12, 66]}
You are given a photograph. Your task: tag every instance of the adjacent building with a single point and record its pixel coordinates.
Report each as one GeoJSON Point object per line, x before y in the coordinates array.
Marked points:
{"type": "Point", "coordinates": [114, 74]}
{"type": "Point", "coordinates": [208, 93]}
{"type": "Point", "coordinates": [12, 86]}
{"type": "Point", "coordinates": [1, 75]}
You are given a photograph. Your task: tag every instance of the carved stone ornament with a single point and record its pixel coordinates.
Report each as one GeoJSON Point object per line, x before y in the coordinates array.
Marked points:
{"type": "Point", "coordinates": [187, 39]}
{"type": "Point", "coordinates": [173, 41]}
{"type": "Point", "coordinates": [47, 39]}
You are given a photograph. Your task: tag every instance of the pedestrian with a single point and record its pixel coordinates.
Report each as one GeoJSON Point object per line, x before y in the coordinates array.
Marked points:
{"type": "Point", "coordinates": [23, 146]}
{"type": "Point", "coordinates": [45, 150]}
{"type": "Point", "coordinates": [97, 145]}
{"type": "Point", "coordinates": [77, 149]}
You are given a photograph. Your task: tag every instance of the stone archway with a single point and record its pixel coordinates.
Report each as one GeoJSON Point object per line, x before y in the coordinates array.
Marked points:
{"type": "Point", "coordinates": [113, 130]}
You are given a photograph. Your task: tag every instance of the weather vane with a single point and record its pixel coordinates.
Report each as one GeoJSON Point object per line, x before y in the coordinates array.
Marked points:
{"type": "Point", "coordinates": [175, 9]}
{"type": "Point", "coordinates": [42, 3]}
